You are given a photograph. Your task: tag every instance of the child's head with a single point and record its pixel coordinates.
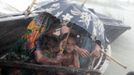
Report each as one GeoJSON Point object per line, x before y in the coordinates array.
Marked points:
{"type": "Point", "coordinates": [70, 44]}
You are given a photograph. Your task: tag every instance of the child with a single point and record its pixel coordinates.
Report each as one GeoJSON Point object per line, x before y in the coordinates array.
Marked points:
{"type": "Point", "coordinates": [70, 57]}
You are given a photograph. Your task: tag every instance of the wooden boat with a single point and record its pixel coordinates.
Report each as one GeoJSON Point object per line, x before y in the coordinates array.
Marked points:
{"type": "Point", "coordinates": [13, 27]}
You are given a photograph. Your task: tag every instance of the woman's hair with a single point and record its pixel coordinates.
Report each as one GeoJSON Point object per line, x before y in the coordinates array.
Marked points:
{"type": "Point", "coordinates": [53, 41]}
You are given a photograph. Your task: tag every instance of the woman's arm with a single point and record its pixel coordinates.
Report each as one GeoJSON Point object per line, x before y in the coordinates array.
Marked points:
{"type": "Point", "coordinates": [81, 51]}
{"type": "Point", "coordinates": [96, 52]}
{"type": "Point", "coordinates": [40, 58]}
{"type": "Point", "coordinates": [84, 53]}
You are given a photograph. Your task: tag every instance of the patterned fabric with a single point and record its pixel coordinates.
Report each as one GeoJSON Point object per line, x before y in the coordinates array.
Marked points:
{"type": "Point", "coordinates": [83, 19]}
{"type": "Point", "coordinates": [78, 15]}
{"type": "Point", "coordinates": [25, 45]}
{"type": "Point", "coordinates": [33, 31]}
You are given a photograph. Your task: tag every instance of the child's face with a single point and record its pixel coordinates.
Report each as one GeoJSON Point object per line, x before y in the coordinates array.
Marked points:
{"type": "Point", "coordinates": [70, 46]}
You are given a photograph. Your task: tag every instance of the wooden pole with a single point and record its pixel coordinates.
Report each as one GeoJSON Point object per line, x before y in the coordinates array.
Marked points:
{"type": "Point", "coordinates": [114, 60]}
{"type": "Point", "coordinates": [28, 10]}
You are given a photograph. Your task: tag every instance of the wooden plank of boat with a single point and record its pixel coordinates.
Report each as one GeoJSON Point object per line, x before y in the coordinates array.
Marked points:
{"type": "Point", "coordinates": [22, 65]}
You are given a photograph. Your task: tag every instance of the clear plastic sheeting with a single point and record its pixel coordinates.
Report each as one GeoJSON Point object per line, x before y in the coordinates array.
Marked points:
{"type": "Point", "coordinates": [6, 9]}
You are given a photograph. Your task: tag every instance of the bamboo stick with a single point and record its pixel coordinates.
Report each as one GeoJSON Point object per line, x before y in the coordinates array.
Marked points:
{"type": "Point", "coordinates": [28, 10]}
{"type": "Point", "coordinates": [114, 60]}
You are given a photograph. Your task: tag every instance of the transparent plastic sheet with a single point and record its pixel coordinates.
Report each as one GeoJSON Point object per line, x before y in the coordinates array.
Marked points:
{"type": "Point", "coordinates": [10, 31]}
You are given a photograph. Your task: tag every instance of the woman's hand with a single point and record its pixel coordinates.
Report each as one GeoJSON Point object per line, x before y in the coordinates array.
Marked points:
{"type": "Point", "coordinates": [82, 52]}
{"type": "Point", "coordinates": [59, 57]}
{"type": "Point", "coordinates": [96, 52]}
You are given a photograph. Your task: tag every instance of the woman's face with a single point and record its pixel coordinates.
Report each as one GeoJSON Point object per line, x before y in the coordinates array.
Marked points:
{"type": "Point", "coordinates": [65, 29]}
{"type": "Point", "coordinates": [53, 45]}
{"type": "Point", "coordinates": [57, 32]}
{"type": "Point", "coordinates": [54, 31]}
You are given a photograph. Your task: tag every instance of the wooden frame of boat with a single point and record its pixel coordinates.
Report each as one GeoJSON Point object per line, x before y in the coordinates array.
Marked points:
{"type": "Point", "coordinates": [19, 21]}
{"type": "Point", "coordinates": [98, 69]}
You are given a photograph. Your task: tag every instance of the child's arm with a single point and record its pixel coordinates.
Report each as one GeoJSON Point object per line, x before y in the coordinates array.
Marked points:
{"type": "Point", "coordinates": [76, 62]}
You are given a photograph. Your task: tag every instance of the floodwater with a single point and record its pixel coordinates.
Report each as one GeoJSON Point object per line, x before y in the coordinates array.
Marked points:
{"type": "Point", "coordinates": [123, 46]}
